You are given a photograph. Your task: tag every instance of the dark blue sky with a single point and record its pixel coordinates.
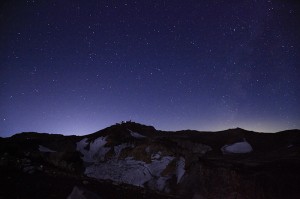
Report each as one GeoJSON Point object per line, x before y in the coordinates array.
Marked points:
{"type": "Point", "coordinates": [75, 67]}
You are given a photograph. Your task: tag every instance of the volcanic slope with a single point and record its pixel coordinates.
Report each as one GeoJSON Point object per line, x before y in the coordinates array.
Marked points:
{"type": "Point", "coordinates": [131, 160]}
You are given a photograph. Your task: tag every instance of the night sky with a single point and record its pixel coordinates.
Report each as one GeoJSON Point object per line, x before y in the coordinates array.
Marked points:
{"type": "Point", "coordinates": [77, 66]}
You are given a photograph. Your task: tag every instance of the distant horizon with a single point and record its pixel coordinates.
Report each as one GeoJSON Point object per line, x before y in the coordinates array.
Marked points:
{"type": "Point", "coordinates": [158, 129]}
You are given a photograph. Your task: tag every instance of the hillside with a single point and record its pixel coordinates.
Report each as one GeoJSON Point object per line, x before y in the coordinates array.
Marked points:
{"type": "Point", "coordinates": [131, 160]}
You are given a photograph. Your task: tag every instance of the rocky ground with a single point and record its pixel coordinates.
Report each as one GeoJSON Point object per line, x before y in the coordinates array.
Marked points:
{"type": "Point", "coordinates": [131, 160]}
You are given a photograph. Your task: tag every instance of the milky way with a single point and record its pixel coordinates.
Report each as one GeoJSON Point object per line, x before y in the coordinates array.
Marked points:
{"type": "Point", "coordinates": [74, 67]}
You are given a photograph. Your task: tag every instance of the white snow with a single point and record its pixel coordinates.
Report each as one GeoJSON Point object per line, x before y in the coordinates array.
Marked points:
{"type": "Point", "coordinates": [155, 156]}
{"type": "Point", "coordinates": [45, 149]}
{"type": "Point", "coordinates": [158, 165]}
{"type": "Point", "coordinates": [122, 171]}
{"type": "Point", "coordinates": [180, 168]}
{"type": "Point", "coordinates": [130, 171]}
{"type": "Point", "coordinates": [96, 151]}
{"type": "Point", "coordinates": [136, 135]}
{"type": "Point", "coordinates": [238, 147]}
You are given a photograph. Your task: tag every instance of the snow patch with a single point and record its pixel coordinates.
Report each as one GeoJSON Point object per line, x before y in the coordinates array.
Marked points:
{"type": "Point", "coordinates": [136, 135]}
{"type": "Point", "coordinates": [96, 151]}
{"type": "Point", "coordinates": [131, 171]}
{"type": "Point", "coordinates": [128, 170]}
{"type": "Point", "coordinates": [158, 165]}
{"type": "Point", "coordinates": [180, 169]}
{"type": "Point", "coordinates": [238, 147]}
{"type": "Point", "coordinates": [45, 149]}
{"type": "Point", "coordinates": [122, 171]}
{"type": "Point", "coordinates": [156, 156]}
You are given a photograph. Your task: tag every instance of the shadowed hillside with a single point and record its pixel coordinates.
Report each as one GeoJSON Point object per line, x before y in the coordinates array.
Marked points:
{"type": "Point", "coordinates": [131, 160]}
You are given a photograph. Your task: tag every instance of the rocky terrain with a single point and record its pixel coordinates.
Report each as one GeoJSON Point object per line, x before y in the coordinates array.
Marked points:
{"type": "Point", "coordinates": [131, 160]}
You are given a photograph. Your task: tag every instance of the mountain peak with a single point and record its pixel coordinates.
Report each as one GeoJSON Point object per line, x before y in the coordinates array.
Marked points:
{"type": "Point", "coordinates": [130, 124]}
{"type": "Point", "coordinates": [124, 128]}
{"type": "Point", "coordinates": [237, 129]}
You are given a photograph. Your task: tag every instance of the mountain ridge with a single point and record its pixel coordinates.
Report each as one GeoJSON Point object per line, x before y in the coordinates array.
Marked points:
{"type": "Point", "coordinates": [136, 158]}
{"type": "Point", "coordinates": [152, 128]}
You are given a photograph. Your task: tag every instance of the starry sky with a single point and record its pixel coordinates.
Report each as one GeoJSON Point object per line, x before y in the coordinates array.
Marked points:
{"type": "Point", "coordinates": [76, 66]}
